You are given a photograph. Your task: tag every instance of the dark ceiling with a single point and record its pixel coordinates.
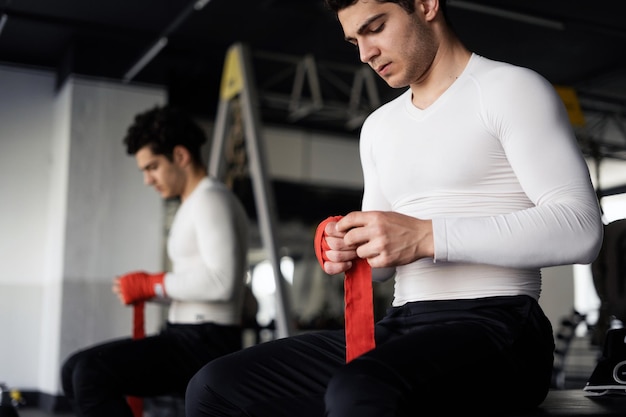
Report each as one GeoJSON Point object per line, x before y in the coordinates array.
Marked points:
{"type": "Point", "coordinates": [579, 44]}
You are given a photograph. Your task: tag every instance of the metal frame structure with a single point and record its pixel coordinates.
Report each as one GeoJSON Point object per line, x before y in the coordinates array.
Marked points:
{"type": "Point", "coordinates": [238, 84]}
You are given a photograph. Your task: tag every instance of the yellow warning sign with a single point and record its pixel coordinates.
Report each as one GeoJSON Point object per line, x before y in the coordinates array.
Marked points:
{"type": "Point", "coordinates": [569, 97]}
{"type": "Point", "coordinates": [232, 78]}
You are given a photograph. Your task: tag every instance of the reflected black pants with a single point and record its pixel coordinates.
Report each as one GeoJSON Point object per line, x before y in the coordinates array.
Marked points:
{"type": "Point", "coordinates": [431, 358]}
{"type": "Point", "coordinates": [97, 380]}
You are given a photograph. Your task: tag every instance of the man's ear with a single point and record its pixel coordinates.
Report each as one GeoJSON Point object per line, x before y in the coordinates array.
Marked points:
{"type": "Point", "coordinates": [430, 8]}
{"type": "Point", "coordinates": [181, 155]}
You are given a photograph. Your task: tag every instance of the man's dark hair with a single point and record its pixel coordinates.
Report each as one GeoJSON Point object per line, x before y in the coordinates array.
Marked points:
{"type": "Point", "coordinates": [163, 128]}
{"type": "Point", "coordinates": [408, 5]}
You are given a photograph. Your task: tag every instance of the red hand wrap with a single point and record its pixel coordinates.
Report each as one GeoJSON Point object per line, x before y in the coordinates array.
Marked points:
{"type": "Point", "coordinates": [359, 306]}
{"type": "Point", "coordinates": [139, 332]}
{"type": "Point", "coordinates": [141, 286]}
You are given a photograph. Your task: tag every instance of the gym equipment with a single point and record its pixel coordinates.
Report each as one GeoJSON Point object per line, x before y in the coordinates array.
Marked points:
{"type": "Point", "coordinates": [238, 88]}
{"type": "Point", "coordinates": [565, 335]}
{"type": "Point", "coordinates": [7, 406]}
{"type": "Point", "coordinates": [609, 376]}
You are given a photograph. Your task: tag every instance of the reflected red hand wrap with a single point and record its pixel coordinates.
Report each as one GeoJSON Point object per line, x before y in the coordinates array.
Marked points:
{"type": "Point", "coordinates": [139, 332]}
{"type": "Point", "coordinates": [359, 306]}
{"type": "Point", "coordinates": [141, 286]}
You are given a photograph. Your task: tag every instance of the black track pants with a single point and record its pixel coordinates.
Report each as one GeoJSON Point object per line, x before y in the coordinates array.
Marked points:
{"type": "Point", "coordinates": [432, 357]}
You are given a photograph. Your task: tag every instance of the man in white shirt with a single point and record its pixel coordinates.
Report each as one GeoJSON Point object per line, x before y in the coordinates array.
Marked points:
{"type": "Point", "coordinates": [473, 182]}
{"type": "Point", "coordinates": [207, 247]}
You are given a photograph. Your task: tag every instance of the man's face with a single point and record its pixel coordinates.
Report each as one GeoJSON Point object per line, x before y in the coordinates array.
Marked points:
{"type": "Point", "coordinates": [164, 175]}
{"type": "Point", "coordinates": [399, 46]}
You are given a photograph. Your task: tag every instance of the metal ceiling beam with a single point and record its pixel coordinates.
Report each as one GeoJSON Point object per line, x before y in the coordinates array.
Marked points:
{"type": "Point", "coordinates": [354, 88]}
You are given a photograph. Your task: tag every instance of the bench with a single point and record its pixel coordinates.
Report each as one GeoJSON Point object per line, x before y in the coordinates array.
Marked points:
{"type": "Point", "coordinates": [573, 402]}
{"type": "Point", "coordinates": [559, 403]}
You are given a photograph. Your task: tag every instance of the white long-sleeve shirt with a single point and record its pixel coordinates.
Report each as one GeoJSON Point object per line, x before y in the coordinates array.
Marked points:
{"type": "Point", "coordinates": [495, 164]}
{"type": "Point", "coordinates": [208, 246]}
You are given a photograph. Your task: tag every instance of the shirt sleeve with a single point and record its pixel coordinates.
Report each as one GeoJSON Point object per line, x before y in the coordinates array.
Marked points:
{"type": "Point", "coordinates": [564, 226]}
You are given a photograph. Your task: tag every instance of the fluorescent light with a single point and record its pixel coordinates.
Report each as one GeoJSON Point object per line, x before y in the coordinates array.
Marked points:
{"type": "Point", "coordinates": [160, 44]}
{"type": "Point", "coordinates": [520, 17]}
{"type": "Point", "coordinates": [145, 59]}
{"type": "Point", "coordinates": [200, 4]}
{"type": "Point", "coordinates": [3, 21]}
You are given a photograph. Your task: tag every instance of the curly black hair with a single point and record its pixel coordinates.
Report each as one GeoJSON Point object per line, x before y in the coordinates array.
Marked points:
{"type": "Point", "coordinates": [163, 128]}
{"type": "Point", "coordinates": [408, 5]}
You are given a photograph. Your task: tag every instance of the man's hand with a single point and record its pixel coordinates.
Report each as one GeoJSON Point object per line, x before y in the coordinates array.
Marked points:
{"type": "Point", "coordinates": [385, 239]}
{"type": "Point", "coordinates": [138, 286]}
{"type": "Point", "coordinates": [329, 241]}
